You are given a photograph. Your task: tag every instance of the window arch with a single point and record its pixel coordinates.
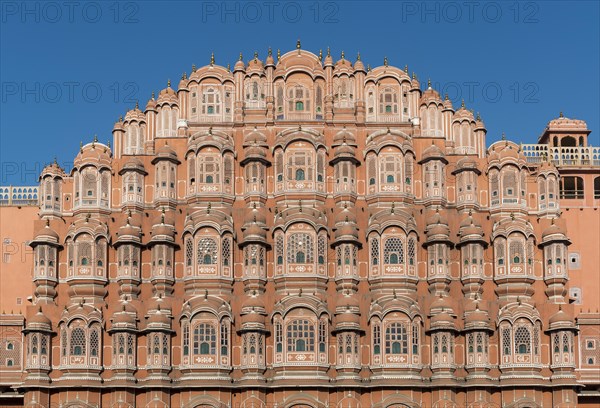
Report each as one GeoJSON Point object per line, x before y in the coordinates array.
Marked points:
{"type": "Point", "coordinates": [300, 248]}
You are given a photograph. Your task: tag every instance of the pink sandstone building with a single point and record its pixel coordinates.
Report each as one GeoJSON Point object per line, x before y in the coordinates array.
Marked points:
{"type": "Point", "coordinates": [303, 232]}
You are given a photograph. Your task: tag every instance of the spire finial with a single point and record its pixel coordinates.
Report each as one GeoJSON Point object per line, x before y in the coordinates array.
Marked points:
{"type": "Point", "coordinates": [462, 103]}
{"type": "Point", "coordinates": [169, 83]}
{"type": "Point", "coordinates": [255, 55]}
{"type": "Point", "coordinates": [406, 68]}
{"type": "Point", "coordinates": [278, 54]}
{"type": "Point", "coordinates": [429, 83]}
{"type": "Point", "coordinates": [503, 136]}
{"type": "Point", "coordinates": [560, 115]}
{"type": "Point", "coordinates": [270, 52]}
{"type": "Point", "coordinates": [478, 117]}
{"type": "Point", "coordinates": [343, 55]}
{"type": "Point", "coordinates": [358, 56]}
{"type": "Point", "coordinates": [152, 95]}
{"type": "Point", "coordinates": [193, 67]}
{"type": "Point", "coordinates": [212, 58]}
{"type": "Point", "coordinates": [368, 67]}
{"type": "Point", "coordinates": [446, 97]}
{"type": "Point", "coordinates": [137, 104]}
{"type": "Point", "coordinates": [241, 57]}
{"type": "Point", "coordinates": [298, 46]}
{"type": "Point", "coordinates": [228, 67]}
{"type": "Point", "coordinates": [385, 61]}
{"type": "Point", "coordinates": [95, 138]}
{"type": "Point", "coordinates": [121, 118]}
{"type": "Point", "coordinates": [81, 146]}
{"type": "Point", "coordinates": [414, 76]}
{"type": "Point", "coordinates": [320, 55]}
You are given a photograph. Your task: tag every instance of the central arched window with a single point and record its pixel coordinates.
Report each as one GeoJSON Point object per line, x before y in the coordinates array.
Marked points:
{"type": "Point", "coordinates": [388, 101]}
{"type": "Point", "coordinates": [207, 251]}
{"type": "Point", "coordinates": [298, 99]}
{"type": "Point", "coordinates": [204, 340]}
{"type": "Point", "coordinates": [211, 102]}
{"type": "Point", "coordinates": [396, 339]}
{"type": "Point", "coordinates": [300, 336]}
{"type": "Point", "coordinates": [300, 248]}
{"type": "Point", "coordinates": [78, 342]}
{"type": "Point", "coordinates": [393, 251]}
{"type": "Point", "coordinates": [522, 340]}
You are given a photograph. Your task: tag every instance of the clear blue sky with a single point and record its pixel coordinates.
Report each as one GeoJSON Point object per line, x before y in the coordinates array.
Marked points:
{"type": "Point", "coordinates": [70, 69]}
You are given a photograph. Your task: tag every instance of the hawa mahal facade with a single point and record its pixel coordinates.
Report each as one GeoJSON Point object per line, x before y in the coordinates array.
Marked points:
{"type": "Point", "coordinates": [303, 232]}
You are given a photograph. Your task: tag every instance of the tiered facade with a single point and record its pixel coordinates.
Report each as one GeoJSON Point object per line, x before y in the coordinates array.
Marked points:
{"type": "Point", "coordinates": [301, 232]}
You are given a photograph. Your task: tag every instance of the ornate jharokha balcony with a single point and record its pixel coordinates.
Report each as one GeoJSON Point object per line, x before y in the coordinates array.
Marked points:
{"type": "Point", "coordinates": [562, 155]}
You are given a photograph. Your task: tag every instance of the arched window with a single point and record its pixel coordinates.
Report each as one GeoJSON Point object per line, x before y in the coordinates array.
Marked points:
{"type": "Point", "coordinates": [388, 101]}
{"type": "Point", "coordinates": [207, 251]}
{"type": "Point", "coordinates": [393, 251]}
{"type": "Point", "coordinates": [299, 175]}
{"type": "Point", "coordinates": [300, 336]}
{"type": "Point", "coordinates": [78, 342]}
{"type": "Point", "coordinates": [204, 339]}
{"type": "Point", "coordinates": [522, 340]}
{"type": "Point", "coordinates": [396, 339]}
{"type": "Point", "coordinates": [300, 248]}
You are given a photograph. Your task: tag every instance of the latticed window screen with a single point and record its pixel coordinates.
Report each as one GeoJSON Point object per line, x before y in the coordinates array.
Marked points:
{"type": "Point", "coordinates": [224, 338]}
{"type": "Point", "coordinates": [522, 340]}
{"type": "Point", "coordinates": [393, 251]}
{"type": "Point", "coordinates": [300, 248]}
{"type": "Point", "coordinates": [322, 336]}
{"type": "Point", "coordinates": [494, 182]}
{"type": "Point", "coordinates": [321, 249]}
{"type": "Point", "coordinates": [509, 182]}
{"type": "Point", "coordinates": [279, 249]}
{"type": "Point", "coordinates": [278, 337]}
{"type": "Point", "coordinates": [226, 251]}
{"type": "Point", "coordinates": [205, 339]}
{"type": "Point", "coordinates": [536, 338]}
{"type": "Point", "coordinates": [412, 251]}
{"type": "Point", "coordinates": [94, 342]}
{"type": "Point", "coordinates": [78, 342]}
{"type": "Point", "coordinates": [390, 168]}
{"type": "Point", "coordinates": [506, 343]}
{"type": "Point", "coordinates": [499, 252]}
{"type": "Point", "coordinates": [300, 336]}
{"type": "Point", "coordinates": [388, 101]}
{"type": "Point", "coordinates": [377, 339]}
{"type": "Point", "coordinates": [516, 251]}
{"type": "Point", "coordinates": [371, 169]}
{"type": "Point", "coordinates": [209, 168]}
{"type": "Point", "coordinates": [415, 338]}
{"type": "Point", "coordinates": [375, 251]}
{"type": "Point", "coordinates": [396, 338]}
{"type": "Point", "coordinates": [186, 339]}
{"type": "Point", "coordinates": [207, 251]}
{"type": "Point", "coordinates": [189, 251]}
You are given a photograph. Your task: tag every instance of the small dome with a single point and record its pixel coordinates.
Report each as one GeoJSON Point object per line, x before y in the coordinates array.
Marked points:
{"type": "Point", "coordinates": [253, 317]}
{"type": "Point", "coordinates": [133, 163]}
{"type": "Point", "coordinates": [560, 317]}
{"type": "Point", "coordinates": [347, 318]}
{"type": "Point", "coordinates": [46, 234]}
{"type": "Point", "coordinates": [95, 153]}
{"type": "Point", "coordinates": [358, 65]}
{"type": "Point", "coordinates": [432, 152]}
{"type": "Point", "coordinates": [441, 303]}
{"type": "Point", "coordinates": [165, 152]}
{"type": "Point", "coordinates": [39, 321]}
{"type": "Point", "coordinates": [553, 229]}
{"type": "Point", "coordinates": [159, 318]}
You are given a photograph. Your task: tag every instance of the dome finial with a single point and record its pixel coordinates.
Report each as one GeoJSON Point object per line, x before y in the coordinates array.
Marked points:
{"type": "Point", "coordinates": [153, 94]}
{"type": "Point", "coordinates": [137, 104]}
{"type": "Point", "coordinates": [80, 146]}
{"type": "Point", "coordinates": [95, 138]}
{"type": "Point", "coordinates": [212, 58]}
{"type": "Point", "coordinates": [270, 52]}
{"type": "Point", "coordinates": [298, 46]}
{"type": "Point", "coordinates": [328, 51]}
{"type": "Point", "coordinates": [320, 55]}
{"type": "Point", "coordinates": [503, 136]}
{"type": "Point", "coordinates": [368, 67]}
{"type": "Point", "coordinates": [406, 68]}
{"type": "Point", "coordinates": [414, 76]}
{"type": "Point", "coordinates": [169, 83]}
{"type": "Point", "coordinates": [343, 55]}
{"type": "Point", "coordinates": [478, 117]}
{"type": "Point", "coordinates": [446, 97]}
{"type": "Point", "coordinates": [560, 115]}
{"type": "Point", "coordinates": [193, 67]}
{"type": "Point", "coordinates": [255, 55]}
{"type": "Point", "coordinates": [429, 83]}
{"type": "Point", "coordinates": [358, 56]}
{"type": "Point", "coordinates": [241, 57]}
{"type": "Point", "coordinates": [228, 67]}
{"type": "Point", "coordinates": [385, 61]}
{"type": "Point", "coordinates": [462, 104]}
{"type": "Point", "coordinates": [278, 54]}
